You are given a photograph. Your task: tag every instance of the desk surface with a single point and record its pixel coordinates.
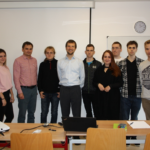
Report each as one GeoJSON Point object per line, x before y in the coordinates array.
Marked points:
{"type": "Point", "coordinates": [109, 125]}
{"type": "Point", "coordinates": [58, 135]}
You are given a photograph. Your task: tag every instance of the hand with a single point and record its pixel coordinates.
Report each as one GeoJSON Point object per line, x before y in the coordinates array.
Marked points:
{"type": "Point", "coordinates": [58, 94]}
{"type": "Point", "coordinates": [12, 98]}
{"type": "Point", "coordinates": [42, 95]}
{"type": "Point", "coordinates": [4, 102]}
{"type": "Point", "coordinates": [101, 87]}
{"type": "Point", "coordinates": [107, 88]}
{"type": "Point", "coordinates": [21, 96]}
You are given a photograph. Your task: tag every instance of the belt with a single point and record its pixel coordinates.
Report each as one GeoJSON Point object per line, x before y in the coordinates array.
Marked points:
{"type": "Point", "coordinates": [29, 87]}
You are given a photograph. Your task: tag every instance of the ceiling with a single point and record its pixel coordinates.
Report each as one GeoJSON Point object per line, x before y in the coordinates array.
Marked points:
{"type": "Point", "coordinates": [69, 0]}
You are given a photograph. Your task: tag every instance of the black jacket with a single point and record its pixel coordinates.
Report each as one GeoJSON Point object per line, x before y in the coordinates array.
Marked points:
{"type": "Point", "coordinates": [47, 78]}
{"type": "Point", "coordinates": [89, 75]}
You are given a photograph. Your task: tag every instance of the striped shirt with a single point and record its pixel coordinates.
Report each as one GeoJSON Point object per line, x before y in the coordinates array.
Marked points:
{"type": "Point", "coordinates": [24, 72]}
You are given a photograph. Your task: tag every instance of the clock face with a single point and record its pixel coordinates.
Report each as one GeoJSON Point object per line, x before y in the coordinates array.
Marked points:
{"type": "Point", "coordinates": [140, 27]}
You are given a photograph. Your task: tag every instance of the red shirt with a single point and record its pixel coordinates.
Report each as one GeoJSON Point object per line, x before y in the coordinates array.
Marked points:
{"type": "Point", "coordinates": [24, 72]}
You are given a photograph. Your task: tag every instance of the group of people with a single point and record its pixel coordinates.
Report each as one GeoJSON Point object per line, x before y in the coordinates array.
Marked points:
{"type": "Point", "coordinates": [112, 89]}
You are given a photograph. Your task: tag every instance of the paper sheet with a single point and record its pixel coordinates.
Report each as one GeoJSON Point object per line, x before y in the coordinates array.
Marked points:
{"type": "Point", "coordinates": [138, 124]}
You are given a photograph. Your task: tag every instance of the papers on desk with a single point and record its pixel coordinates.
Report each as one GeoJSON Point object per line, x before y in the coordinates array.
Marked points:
{"type": "Point", "coordinates": [138, 124]}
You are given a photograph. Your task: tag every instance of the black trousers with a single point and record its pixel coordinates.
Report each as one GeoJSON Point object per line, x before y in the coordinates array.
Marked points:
{"type": "Point", "coordinates": [89, 101]}
{"type": "Point", "coordinates": [70, 97]}
{"type": "Point", "coordinates": [6, 110]}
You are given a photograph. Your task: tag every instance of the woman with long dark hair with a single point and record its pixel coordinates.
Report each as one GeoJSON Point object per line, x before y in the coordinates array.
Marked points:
{"type": "Point", "coordinates": [108, 80]}
{"type": "Point", "coordinates": [6, 93]}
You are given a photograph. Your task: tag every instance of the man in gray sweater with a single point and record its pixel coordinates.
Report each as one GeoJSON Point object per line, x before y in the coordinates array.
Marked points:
{"type": "Point", "coordinates": [144, 70]}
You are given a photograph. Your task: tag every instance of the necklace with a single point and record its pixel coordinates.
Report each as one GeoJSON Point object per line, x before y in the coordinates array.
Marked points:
{"type": "Point", "coordinates": [106, 67]}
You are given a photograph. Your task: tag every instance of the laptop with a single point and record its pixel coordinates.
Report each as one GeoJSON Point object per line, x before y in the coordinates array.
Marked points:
{"type": "Point", "coordinates": [78, 124]}
{"type": "Point", "coordinates": [3, 127]}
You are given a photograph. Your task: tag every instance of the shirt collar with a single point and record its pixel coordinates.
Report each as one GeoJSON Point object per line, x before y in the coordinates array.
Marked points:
{"type": "Point", "coordinates": [71, 58]}
{"type": "Point", "coordinates": [26, 57]}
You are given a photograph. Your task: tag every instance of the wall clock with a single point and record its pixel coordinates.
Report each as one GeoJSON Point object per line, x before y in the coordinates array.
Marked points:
{"type": "Point", "coordinates": [140, 27]}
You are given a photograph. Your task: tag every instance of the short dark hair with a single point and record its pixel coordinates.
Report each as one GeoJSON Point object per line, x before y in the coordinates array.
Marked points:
{"type": "Point", "coordinates": [90, 45]}
{"type": "Point", "coordinates": [27, 43]}
{"type": "Point", "coordinates": [71, 41]}
{"type": "Point", "coordinates": [132, 43]}
{"type": "Point", "coordinates": [117, 43]}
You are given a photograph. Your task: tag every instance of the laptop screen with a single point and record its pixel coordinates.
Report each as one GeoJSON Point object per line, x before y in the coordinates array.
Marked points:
{"type": "Point", "coordinates": [78, 123]}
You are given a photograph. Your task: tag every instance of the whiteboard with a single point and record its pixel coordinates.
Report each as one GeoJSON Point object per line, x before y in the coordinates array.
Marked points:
{"type": "Point", "coordinates": [124, 40]}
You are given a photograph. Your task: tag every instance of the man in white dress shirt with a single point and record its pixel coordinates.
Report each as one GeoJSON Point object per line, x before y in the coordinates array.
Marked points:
{"type": "Point", "coordinates": [116, 50]}
{"type": "Point", "coordinates": [71, 75]}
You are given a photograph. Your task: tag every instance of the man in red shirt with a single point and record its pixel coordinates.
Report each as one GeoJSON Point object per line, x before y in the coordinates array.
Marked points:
{"type": "Point", "coordinates": [25, 79]}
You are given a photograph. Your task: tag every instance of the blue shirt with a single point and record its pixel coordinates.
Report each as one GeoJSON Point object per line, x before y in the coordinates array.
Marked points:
{"type": "Point", "coordinates": [89, 63]}
{"type": "Point", "coordinates": [71, 72]}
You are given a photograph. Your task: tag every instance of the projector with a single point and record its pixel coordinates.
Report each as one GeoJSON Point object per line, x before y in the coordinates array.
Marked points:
{"type": "Point", "coordinates": [4, 127]}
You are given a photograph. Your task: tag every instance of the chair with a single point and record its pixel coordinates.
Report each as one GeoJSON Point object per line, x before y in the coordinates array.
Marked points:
{"type": "Point", "coordinates": [106, 139]}
{"type": "Point", "coordinates": [37, 141]}
{"type": "Point", "coordinates": [147, 142]}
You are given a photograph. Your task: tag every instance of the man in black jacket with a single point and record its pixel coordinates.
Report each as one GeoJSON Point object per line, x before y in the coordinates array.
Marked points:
{"type": "Point", "coordinates": [88, 91]}
{"type": "Point", "coordinates": [48, 85]}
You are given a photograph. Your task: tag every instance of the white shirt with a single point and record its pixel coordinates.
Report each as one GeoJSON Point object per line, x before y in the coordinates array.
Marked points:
{"type": "Point", "coordinates": [71, 72]}
{"type": "Point", "coordinates": [117, 60]}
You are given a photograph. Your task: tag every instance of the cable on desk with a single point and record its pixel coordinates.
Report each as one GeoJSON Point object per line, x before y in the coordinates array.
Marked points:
{"type": "Point", "coordinates": [55, 126]}
{"type": "Point", "coordinates": [31, 128]}
{"type": "Point", "coordinates": [5, 146]}
{"type": "Point", "coordinates": [40, 126]}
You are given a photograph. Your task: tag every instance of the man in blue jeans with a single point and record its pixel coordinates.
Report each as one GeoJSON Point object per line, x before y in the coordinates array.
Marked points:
{"type": "Point", "coordinates": [48, 85]}
{"type": "Point", "coordinates": [131, 90]}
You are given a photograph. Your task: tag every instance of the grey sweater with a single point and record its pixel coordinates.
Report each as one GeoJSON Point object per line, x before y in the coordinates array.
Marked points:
{"type": "Point", "coordinates": [144, 71]}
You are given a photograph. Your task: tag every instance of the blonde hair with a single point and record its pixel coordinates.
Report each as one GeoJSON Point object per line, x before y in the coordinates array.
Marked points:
{"type": "Point", "coordinates": [147, 42]}
{"type": "Point", "coordinates": [49, 48]}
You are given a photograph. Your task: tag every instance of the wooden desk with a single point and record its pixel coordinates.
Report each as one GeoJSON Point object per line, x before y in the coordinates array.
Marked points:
{"type": "Point", "coordinates": [109, 125]}
{"type": "Point", "coordinates": [57, 136]}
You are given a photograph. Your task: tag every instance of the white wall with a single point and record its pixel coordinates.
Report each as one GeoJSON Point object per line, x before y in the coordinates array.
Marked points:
{"type": "Point", "coordinates": [42, 27]}
{"type": "Point", "coordinates": [118, 19]}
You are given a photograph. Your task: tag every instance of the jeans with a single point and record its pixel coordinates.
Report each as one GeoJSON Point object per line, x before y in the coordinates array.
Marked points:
{"type": "Point", "coordinates": [27, 104]}
{"type": "Point", "coordinates": [133, 104]}
{"type": "Point", "coordinates": [49, 97]}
